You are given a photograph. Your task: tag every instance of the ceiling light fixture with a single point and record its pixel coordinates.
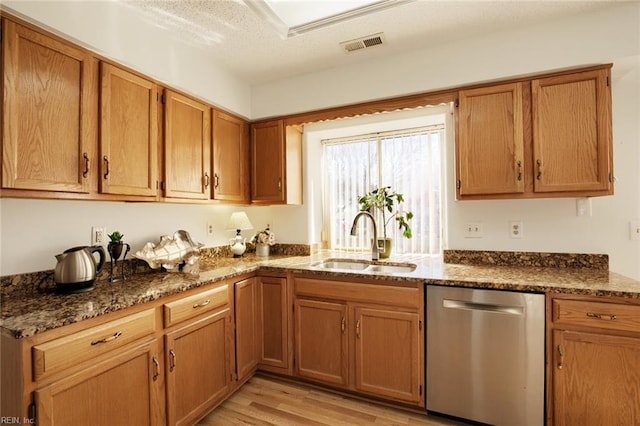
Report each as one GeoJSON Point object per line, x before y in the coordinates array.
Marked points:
{"type": "Point", "coordinates": [267, 12]}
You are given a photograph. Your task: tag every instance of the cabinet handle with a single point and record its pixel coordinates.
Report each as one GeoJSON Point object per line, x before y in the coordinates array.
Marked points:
{"type": "Point", "coordinates": [539, 163]}
{"type": "Point", "coordinates": [200, 305]}
{"type": "Point", "coordinates": [343, 325]}
{"type": "Point", "coordinates": [602, 316]}
{"type": "Point", "coordinates": [561, 354]}
{"type": "Point", "coordinates": [280, 184]}
{"type": "Point", "coordinates": [358, 329]}
{"type": "Point", "coordinates": [156, 367]}
{"type": "Point", "coordinates": [216, 181]}
{"type": "Point", "coordinates": [172, 359]}
{"type": "Point", "coordinates": [107, 339]}
{"type": "Point", "coordinates": [86, 165]}
{"type": "Point", "coordinates": [519, 170]}
{"type": "Point", "coordinates": [206, 180]}
{"type": "Point", "coordinates": [106, 166]}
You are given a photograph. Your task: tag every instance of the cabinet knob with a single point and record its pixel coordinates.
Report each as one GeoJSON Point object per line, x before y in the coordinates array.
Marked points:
{"type": "Point", "coordinates": [203, 304]}
{"type": "Point", "coordinates": [156, 367]}
{"type": "Point", "coordinates": [561, 356]}
{"type": "Point", "coordinates": [86, 165]}
{"type": "Point", "coordinates": [172, 359]}
{"type": "Point", "coordinates": [606, 317]}
{"type": "Point", "coordinates": [106, 166]}
{"type": "Point", "coordinates": [107, 339]}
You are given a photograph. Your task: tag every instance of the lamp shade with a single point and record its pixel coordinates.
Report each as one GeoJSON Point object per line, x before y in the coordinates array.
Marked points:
{"type": "Point", "coordinates": [239, 220]}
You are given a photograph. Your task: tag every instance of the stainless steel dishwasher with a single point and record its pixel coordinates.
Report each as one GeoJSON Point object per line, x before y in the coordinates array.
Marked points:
{"type": "Point", "coordinates": [485, 355]}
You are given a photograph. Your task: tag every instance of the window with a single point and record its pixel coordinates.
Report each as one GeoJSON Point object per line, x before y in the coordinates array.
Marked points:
{"type": "Point", "coordinates": [407, 160]}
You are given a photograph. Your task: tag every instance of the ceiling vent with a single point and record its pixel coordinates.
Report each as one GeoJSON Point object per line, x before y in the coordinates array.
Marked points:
{"type": "Point", "coordinates": [363, 43]}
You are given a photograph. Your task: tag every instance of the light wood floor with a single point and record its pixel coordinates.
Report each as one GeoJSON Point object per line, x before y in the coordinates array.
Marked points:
{"type": "Point", "coordinates": [267, 401]}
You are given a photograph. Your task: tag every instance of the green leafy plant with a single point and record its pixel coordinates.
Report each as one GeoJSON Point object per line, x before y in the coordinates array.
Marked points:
{"type": "Point", "coordinates": [116, 236]}
{"type": "Point", "coordinates": [383, 202]}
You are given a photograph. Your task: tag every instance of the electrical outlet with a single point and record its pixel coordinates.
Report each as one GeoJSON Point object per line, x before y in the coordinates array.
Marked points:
{"type": "Point", "coordinates": [98, 235]}
{"type": "Point", "coordinates": [473, 230]}
{"type": "Point", "coordinates": [515, 229]}
{"type": "Point", "coordinates": [583, 207]}
{"type": "Point", "coordinates": [210, 229]}
{"type": "Point", "coordinates": [634, 230]}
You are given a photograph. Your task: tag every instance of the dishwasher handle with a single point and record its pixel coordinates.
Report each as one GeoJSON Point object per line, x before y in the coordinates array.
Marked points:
{"type": "Point", "coordinates": [484, 307]}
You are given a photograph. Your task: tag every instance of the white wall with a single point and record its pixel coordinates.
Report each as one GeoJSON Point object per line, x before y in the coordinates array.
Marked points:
{"type": "Point", "coordinates": [549, 224]}
{"type": "Point", "coordinates": [122, 34]}
{"type": "Point", "coordinates": [33, 231]}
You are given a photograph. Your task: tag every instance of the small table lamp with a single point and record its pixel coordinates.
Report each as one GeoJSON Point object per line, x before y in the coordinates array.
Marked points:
{"type": "Point", "coordinates": [238, 221]}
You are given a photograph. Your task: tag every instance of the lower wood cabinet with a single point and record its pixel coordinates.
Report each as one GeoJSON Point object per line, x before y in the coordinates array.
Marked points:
{"type": "Point", "coordinates": [595, 362]}
{"type": "Point", "coordinates": [274, 324]}
{"type": "Point", "coordinates": [120, 389]}
{"type": "Point", "coordinates": [388, 358]}
{"type": "Point", "coordinates": [363, 337]}
{"type": "Point", "coordinates": [247, 338]}
{"type": "Point", "coordinates": [321, 341]}
{"type": "Point", "coordinates": [197, 367]}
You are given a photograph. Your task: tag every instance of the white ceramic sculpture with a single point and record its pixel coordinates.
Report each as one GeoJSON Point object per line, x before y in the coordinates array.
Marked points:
{"type": "Point", "coordinates": [170, 252]}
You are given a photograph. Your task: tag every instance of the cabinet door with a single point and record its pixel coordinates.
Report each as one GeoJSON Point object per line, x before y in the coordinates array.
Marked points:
{"type": "Point", "coordinates": [123, 389]}
{"type": "Point", "coordinates": [197, 366]}
{"type": "Point", "coordinates": [572, 132]}
{"type": "Point", "coordinates": [388, 354]}
{"type": "Point", "coordinates": [491, 140]}
{"type": "Point", "coordinates": [230, 158]}
{"type": "Point", "coordinates": [268, 163]}
{"type": "Point", "coordinates": [128, 133]}
{"type": "Point", "coordinates": [321, 341]}
{"type": "Point", "coordinates": [274, 322]}
{"type": "Point", "coordinates": [596, 379]}
{"type": "Point", "coordinates": [47, 141]}
{"type": "Point", "coordinates": [247, 337]}
{"type": "Point", "coordinates": [187, 143]}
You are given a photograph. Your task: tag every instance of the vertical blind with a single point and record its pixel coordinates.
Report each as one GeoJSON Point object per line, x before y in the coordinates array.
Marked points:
{"type": "Point", "coordinates": [407, 160]}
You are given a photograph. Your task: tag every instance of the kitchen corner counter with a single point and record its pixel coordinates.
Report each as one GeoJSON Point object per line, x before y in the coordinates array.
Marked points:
{"type": "Point", "coordinates": [25, 315]}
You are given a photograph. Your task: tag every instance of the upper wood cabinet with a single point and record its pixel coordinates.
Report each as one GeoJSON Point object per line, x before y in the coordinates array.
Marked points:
{"type": "Point", "coordinates": [491, 141]}
{"type": "Point", "coordinates": [276, 163]}
{"type": "Point", "coordinates": [230, 158]}
{"type": "Point", "coordinates": [572, 132]}
{"type": "Point", "coordinates": [49, 106]}
{"type": "Point", "coordinates": [544, 137]}
{"type": "Point", "coordinates": [187, 147]}
{"type": "Point", "coordinates": [128, 133]}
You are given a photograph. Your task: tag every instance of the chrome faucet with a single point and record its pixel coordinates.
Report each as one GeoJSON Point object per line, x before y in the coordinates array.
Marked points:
{"type": "Point", "coordinates": [374, 246]}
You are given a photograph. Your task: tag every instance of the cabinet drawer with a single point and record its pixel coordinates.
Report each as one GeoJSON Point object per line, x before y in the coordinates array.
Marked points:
{"type": "Point", "coordinates": [612, 316]}
{"type": "Point", "coordinates": [70, 350]}
{"type": "Point", "coordinates": [191, 306]}
{"type": "Point", "coordinates": [401, 297]}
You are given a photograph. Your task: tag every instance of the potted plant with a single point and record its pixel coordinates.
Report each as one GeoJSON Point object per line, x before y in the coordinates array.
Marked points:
{"type": "Point", "coordinates": [115, 245]}
{"type": "Point", "coordinates": [383, 204]}
{"type": "Point", "coordinates": [263, 240]}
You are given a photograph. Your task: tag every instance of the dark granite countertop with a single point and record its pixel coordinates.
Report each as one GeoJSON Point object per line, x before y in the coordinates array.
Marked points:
{"type": "Point", "coordinates": [26, 314]}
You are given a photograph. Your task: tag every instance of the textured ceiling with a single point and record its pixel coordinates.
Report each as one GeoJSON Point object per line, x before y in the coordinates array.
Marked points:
{"type": "Point", "coordinates": [251, 48]}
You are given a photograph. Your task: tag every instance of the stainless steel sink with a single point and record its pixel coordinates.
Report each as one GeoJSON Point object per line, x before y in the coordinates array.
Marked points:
{"type": "Point", "coordinates": [343, 264]}
{"type": "Point", "coordinates": [366, 266]}
{"type": "Point", "coordinates": [391, 269]}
